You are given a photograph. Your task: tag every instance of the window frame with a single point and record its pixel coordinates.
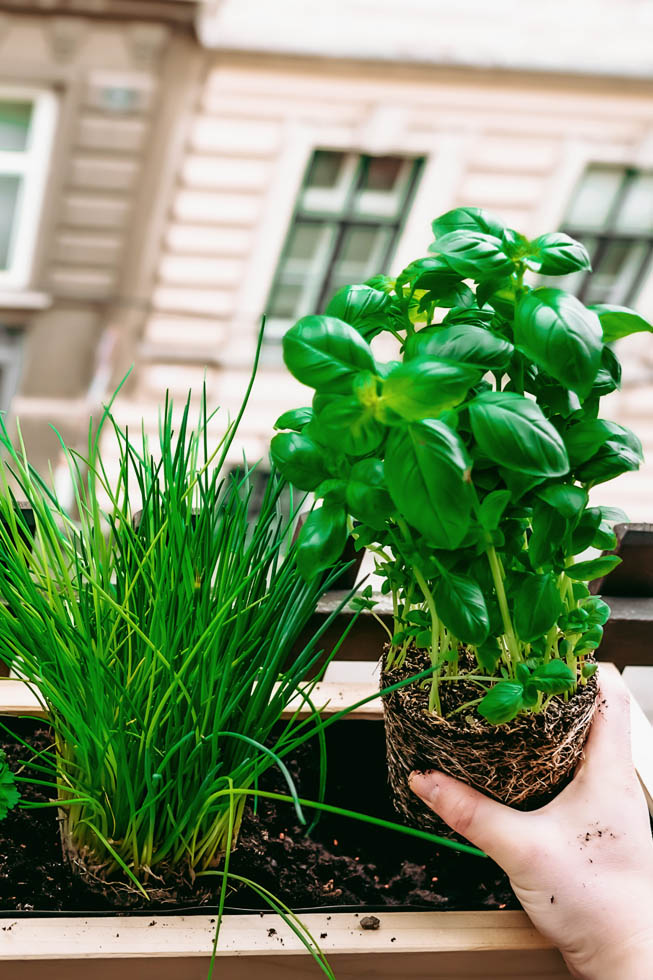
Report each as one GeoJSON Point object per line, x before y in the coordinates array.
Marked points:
{"type": "Point", "coordinates": [342, 219]}
{"type": "Point", "coordinates": [32, 164]}
{"type": "Point", "coordinates": [610, 234]}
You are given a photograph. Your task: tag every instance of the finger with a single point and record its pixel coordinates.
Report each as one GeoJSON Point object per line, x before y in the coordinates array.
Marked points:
{"type": "Point", "coordinates": [608, 742]}
{"type": "Point", "coordinates": [495, 828]}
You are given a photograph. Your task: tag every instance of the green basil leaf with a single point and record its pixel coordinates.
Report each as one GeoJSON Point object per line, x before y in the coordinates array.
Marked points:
{"type": "Point", "coordinates": [367, 494]}
{"type": "Point", "coordinates": [516, 245]}
{"type": "Point", "coordinates": [590, 640]}
{"type": "Point", "coordinates": [362, 307]}
{"type": "Point", "coordinates": [459, 295]}
{"type": "Point", "coordinates": [430, 273]}
{"type": "Point", "coordinates": [519, 483]}
{"type": "Point", "coordinates": [461, 607]}
{"type": "Point", "coordinates": [549, 531]}
{"type": "Point", "coordinates": [612, 459]}
{"type": "Point", "coordinates": [475, 255]}
{"type": "Point", "coordinates": [492, 508]}
{"type": "Point", "coordinates": [513, 431]}
{"type": "Point", "coordinates": [554, 677]}
{"type": "Point", "coordinates": [424, 387]}
{"type": "Point", "coordinates": [605, 539]}
{"type": "Point", "coordinates": [586, 571]}
{"type": "Point", "coordinates": [467, 219]}
{"type": "Point", "coordinates": [556, 254]}
{"type": "Point", "coordinates": [537, 605]}
{"type": "Point", "coordinates": [500, 294]}
{"type": "Point", "coordinates": [427, 472]}
{"type": "Point", "coordinates": [325, 353]}
{"type": "Point", "coordinates": [463, 343]}
{"type": "Point", "coordinates": [584, 439]}
{"type": "Point", "coordinates": [295, 419]}
{"type": "Point", "coordinates": [589, 670]}
{"type": "Point", "coordinates": [570, 501]}
{"type": "Point", "coordinates": [615, 515]}
{"type": "Point", "coordinates": [321, 540]}
{"type": "Point", "coordinates": [609, 377]}
{"type": "Point", "coordinates": [469, 318]}
{"type": "Point", "coordinates": [350, 426]}
{"type": "Point", "coordinates": [488, 655]}
{"type": "Point", "coordinates": [585, 530]}
{"type": "Point", "coordinates": [556, 331]}
{"type": "Point", "coordinates": [502, 703]}
{"type": "Point", "coordinates": [9, 794]}
{"type": "Point", "coordinates": [383, 283]}
{"type": "Point", "coordinates": [298, 459]}
{"type": "Point", "coordinates": [332, 491]}
{"type": "Point", "coordinates": [619, 321]}
{"type": "Point", "coordinates": [598, 611]}
{"type": "Point", "coordinates": [552, 396]}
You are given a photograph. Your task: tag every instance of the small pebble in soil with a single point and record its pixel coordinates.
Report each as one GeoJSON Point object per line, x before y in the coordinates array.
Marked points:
{"type": "Point", "coordinates": [370, 922]}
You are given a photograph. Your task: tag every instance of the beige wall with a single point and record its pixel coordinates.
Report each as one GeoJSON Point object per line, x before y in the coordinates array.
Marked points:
{"type": "Point", "coordinates": [164, 220]}
{"type": "Point", "coordinates": [92, 264]}
{"type": "Point", "coordinates": [515, 144]}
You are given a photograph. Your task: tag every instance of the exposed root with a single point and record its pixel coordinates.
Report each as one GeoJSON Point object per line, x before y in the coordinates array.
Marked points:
{"type": "Point", "coordinates": [524, 763]}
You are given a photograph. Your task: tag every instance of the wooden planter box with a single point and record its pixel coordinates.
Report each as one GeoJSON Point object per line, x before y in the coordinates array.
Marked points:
{"type": "Point", "coordinates": [490, 945]}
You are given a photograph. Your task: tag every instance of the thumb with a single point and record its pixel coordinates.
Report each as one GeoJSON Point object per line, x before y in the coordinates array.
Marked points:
{"type": "Point", "coordinates": [495, 828]}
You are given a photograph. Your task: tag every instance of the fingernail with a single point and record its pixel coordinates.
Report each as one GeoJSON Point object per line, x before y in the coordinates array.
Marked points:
{"type": "Point", "coordinates": [424, 785]}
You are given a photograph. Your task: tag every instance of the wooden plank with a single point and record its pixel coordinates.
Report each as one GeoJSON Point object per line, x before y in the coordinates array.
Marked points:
{"type": "Point", "coordinates": [444, 944]}
{"type": "Point", "coordinates": [627, 634]}
{"type": "Point", "coordinates": [626, 639]}
{"type": "Point", "coordinates": [634, 576]}
{"type": "Point", "coordinates": [17, 699]}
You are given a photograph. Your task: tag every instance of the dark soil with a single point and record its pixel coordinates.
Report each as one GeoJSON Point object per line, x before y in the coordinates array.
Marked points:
{"type": "Point", "coordinates": [343, 863]}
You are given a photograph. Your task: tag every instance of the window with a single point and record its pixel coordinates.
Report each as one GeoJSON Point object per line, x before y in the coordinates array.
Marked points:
{"type": "Point", "coordinates": [611, 212]}
{"type": "Point", "coordinates": [27, 118]}
{"type": "Point", "coordinates": [344, 230]}
{"type": "Point", "coordinates": [10, 363]}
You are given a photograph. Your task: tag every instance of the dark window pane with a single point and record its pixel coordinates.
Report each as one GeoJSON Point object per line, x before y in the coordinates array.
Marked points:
{"type": "Point", "coordinates": [346, 221]}
{"type": "Point", "coordinates": [14, 125]}
{"type": "Point", "coordinates": [9, 187]}
{"type": "Point", "coordinates": [325, 169]}
{"type": "Point", "coordinates": [594, 197]}
{"type": "Point", "coordinates": [382, 173]}
{"type": "Point", "coordinates": [285, 300]}
{"type": "Point", "coordinates": [361, 254]}
{"type": "Point", "coordinates": [615, 272]}
{"type": "Point", "coordinates": [304, 241]}
{"type": "Point", "coordinates": [636, 211]}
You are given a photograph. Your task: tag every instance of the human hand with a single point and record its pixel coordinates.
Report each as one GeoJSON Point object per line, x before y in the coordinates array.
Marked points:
{"type": "Point", "coordinates": [581, 866]}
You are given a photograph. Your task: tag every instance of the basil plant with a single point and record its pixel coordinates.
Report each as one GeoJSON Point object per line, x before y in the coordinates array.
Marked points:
{"type": "Point", "coordinates": [464, 465]}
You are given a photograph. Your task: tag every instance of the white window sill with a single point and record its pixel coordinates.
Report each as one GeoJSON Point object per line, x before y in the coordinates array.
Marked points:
{"type": "Point", "coordinates": [24, 300]}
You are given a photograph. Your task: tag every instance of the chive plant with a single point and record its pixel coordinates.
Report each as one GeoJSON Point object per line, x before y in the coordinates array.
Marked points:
{"type": "Point", "coordinates": [465, 464]}
{"type": "Point", "coordinates": [159, 629]}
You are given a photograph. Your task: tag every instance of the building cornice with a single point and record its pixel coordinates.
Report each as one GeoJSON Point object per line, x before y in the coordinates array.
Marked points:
{"type": "Point", "coordinates": [177, 13]}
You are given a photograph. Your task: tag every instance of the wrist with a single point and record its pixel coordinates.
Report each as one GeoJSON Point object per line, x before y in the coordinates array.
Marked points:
{"type": "Point", "coordinates": [630, 958]}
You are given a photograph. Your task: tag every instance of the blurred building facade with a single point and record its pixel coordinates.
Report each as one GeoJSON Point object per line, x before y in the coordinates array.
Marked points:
{"type": "Point", "coordinates": [171, 169]}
